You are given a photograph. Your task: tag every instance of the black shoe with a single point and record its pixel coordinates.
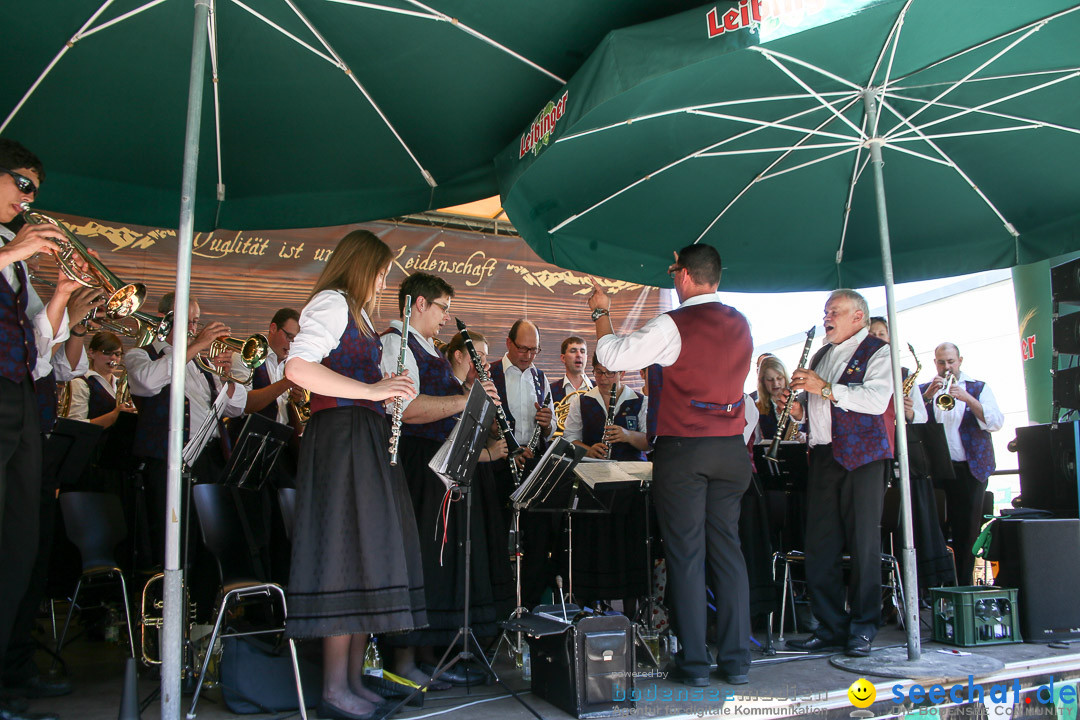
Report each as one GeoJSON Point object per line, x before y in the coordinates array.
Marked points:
{"type": "Point", "coordinates": [815, 644]}
{"type": "Point", "coordinates": [460, 675]}
{"type": "Point", "coordinates": [8, 712]}
{"type": "Point", "coordinates": [742, 679]}
{"type": "Point", "coordinates": [40, 687]}
{"type": "Point", "coordinates": [858, 646]}
{"type": "Point", "coordinates": [677, 674]}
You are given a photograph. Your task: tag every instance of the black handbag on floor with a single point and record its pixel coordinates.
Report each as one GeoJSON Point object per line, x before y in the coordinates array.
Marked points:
{"type": "Point", "coordinates": [257, 677]}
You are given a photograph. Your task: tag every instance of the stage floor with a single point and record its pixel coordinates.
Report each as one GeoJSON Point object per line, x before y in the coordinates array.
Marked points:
{"type": "Point", "coordinates": [780, 686]}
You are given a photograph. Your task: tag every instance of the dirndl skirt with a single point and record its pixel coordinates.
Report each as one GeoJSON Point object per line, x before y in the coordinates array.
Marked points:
{"type": "Point", "coordinates": [355, 565]}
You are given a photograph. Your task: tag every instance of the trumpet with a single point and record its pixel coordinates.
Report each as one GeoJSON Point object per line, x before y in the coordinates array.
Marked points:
{"type": "Point", "coordinates": [146, 327]}
{"type": "Point", "coordinates": [152, 618]}
{"type": "Point", "coordinates": [252, 352]}
{"type": "Point", "coordinates": [123, 298]}
{"type": "Point", "coordinates": [302, 408]}
{"type": "Point", "coordinates": [945, 401]}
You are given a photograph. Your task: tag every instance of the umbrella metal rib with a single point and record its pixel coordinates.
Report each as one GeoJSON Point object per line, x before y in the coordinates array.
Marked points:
{"type": "Point", "coordinates": [983, 111]}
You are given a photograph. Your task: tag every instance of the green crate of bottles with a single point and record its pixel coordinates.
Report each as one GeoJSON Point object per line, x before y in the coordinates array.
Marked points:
{"type": "Point", "coordinates": [975, 615]}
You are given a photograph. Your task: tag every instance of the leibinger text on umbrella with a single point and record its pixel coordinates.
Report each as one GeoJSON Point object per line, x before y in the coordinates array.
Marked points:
{"type": "Point", "coordinates": [542, 127]}
{"type": "Point", "coordinates": [748, 13]}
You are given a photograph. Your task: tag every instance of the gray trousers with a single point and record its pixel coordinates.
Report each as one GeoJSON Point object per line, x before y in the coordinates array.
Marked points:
{"type": "Point", "coordinates": [698, 484]}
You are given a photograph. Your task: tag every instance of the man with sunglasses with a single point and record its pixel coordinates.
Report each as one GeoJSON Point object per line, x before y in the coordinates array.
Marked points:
{"type": "Point", "coordinates": [698, 357]}
{"type": "Point", "coordinates": [28, 331]}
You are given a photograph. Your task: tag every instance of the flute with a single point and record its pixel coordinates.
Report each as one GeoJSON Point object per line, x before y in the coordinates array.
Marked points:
{"type": "Point", "coordinates": [399, 401]}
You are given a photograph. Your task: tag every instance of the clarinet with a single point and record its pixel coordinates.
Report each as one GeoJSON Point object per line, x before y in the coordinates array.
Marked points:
{"type": "Point", "coordinates": [612, 399]}
{"type": "Point", "coordinates": [534, 440]}
{"type": "Point", "coordinates": [785, 414]}
{"type": "Point", "coordinates": [505, 431]}
{"type": "Point", "coordinates": [399, 402]}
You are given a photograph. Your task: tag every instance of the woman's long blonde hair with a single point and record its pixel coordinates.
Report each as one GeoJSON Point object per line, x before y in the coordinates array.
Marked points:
{"type": "Point", "coordinates": [354, 269]}
{"type": "Point", "coordinates": [764, 398]}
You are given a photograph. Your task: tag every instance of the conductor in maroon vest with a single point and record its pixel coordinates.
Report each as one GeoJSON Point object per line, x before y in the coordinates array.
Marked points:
{"type": "Point", "coordinates": [698, 357]}
{"type": "Point", "coordinates": [849, 400]}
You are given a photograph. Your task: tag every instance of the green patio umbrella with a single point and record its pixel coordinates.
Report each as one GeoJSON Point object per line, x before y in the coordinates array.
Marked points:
{"type": "Point", "coordinates": [762, 128]}
{"type": "Point", "coordinates": [319, 112]}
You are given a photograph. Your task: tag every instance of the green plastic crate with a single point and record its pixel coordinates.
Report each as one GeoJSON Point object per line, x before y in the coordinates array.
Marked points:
{"type": "Point", "coordinates": [975, 615]}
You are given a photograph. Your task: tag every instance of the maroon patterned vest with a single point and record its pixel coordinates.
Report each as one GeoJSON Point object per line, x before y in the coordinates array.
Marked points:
{"type": "Point", "coordinates": [436, 379]}
{"type": "Point", "coordinates": [356, 356]}
{"type": "Point", "coordinates": [701, 394]}
{"type": "Point", "coordinates": [860, 438]}
{"type": "Point", "coordinates": [16, 331]}
{"type": "Point", "coordinates": [978, 447]}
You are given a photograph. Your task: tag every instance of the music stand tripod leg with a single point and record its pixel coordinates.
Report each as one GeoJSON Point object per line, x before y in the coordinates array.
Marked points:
{"type": "Point", "coordinates": [465, 632]}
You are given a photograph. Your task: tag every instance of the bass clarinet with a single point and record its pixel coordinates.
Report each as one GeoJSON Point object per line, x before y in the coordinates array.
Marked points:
{"type": "Point", "coordinates": [785, 414]}
{"type": "Point", "coordinates": [399, 402]}
{"type": "Point", "coordinates": [612, 399]}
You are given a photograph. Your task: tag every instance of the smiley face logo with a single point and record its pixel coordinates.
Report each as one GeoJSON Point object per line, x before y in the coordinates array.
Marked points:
{"type": "Point", "coordinates": [861, 693]}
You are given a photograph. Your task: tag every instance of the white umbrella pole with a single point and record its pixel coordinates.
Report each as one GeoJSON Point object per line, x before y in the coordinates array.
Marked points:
{"type": "Point", "coordinates": [175, 612]}
{"type": "Point", "coordinates": [911, 582]}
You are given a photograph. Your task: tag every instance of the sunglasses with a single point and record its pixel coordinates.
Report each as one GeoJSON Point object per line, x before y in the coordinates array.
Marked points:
{"type": "Point", "coordinates": [23, 183]}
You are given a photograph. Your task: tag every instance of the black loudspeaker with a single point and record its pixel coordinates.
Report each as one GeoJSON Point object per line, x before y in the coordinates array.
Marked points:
{"type": "Point", "coordinates": [1048, 472]}
{"type": "Point", "coordinates": [1048, 591]}
{"type": "Point", "coordinates": [1065, 281]}
{"type": "Point", "coordinates": [588, 669]}
{"type": "Point", "coordinates": [1067, 387]}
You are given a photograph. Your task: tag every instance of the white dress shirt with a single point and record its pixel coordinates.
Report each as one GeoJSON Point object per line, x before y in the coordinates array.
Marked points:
{"type": "Point", "coordinates": [275, 370]}
{"type": "Point", "coordinates": [575, 425]}
{"type": "Point", "coordinates": [871, 397]}
{"type": "Point", "coordinates": [658, 342]}
{"type": "Point", "coordinates": [951, 419]}
{"type": "Point", "coordinates": [61, 366]}
{"type": "Point", "coordinates": [147, 377]}
{"type": "Point", "coordinates": [568, 387]}
{"type": "Point", "coordinates": [44, 337]}
{"type": "Point", "coordinates": [80, 394]}
{"type": "Point", "coordinates": [391, 348]}
{"type": "Point", "coordinates": [322, 323]}
{"type": "Point", "coordinates": [751, 415]}
{"type": "Point", "coordinates": [521, 399]}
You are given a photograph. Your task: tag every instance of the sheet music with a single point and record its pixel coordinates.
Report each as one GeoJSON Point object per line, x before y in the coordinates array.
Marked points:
{"type": "Point", "coordinates": [198, 440]}
{"type": "Point", "coordinates": [606, 472]}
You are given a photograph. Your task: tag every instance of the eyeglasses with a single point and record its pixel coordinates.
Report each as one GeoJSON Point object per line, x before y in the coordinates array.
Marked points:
{"type": "Point", "coordinates": [674, 270]}
{"type": "Point", "coordinates": [527, 350]}
{"type": "Point", "coordinates": [445, 306]}
{"type": "Point", "coordinates": [23, 183]}
{"type": "Point", "coordinates": [605, 373]}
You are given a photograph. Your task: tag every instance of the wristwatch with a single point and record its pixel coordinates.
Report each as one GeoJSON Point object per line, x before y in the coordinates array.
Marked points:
{"type": "Point", "coordinates": [598, 313]}
{"type": "Point", "coordinates": [826, 392]}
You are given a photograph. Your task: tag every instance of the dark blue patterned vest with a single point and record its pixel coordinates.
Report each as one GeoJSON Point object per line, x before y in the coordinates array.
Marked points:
{"type": "Point", "coordinates": [540, 385]}
{"type": "Point", "coordinates": [45, 389]}
{"type": "Point", "coordinates": [101, 402]}
{"type": "Point", "coordinates": [356, 356]}
{"type": "Point", "coordinates": [594, 417]}
{"type": "Point", "coordinates": [978, 447]}
{"type": "Point", "coordinates": [558, 391]}
{"type": "Point", "coordinates": [436, 379]}
{"type": "Point", "coordinates": [16, 331]}
{"type": "Point", "coordinates": [860, 438]}
{"type": "Point", "coordinates": [767, 423]}
{"type": "Point", "coordinates": [152, 422]}
{"type": "Point", "coordinates": [260, 378]}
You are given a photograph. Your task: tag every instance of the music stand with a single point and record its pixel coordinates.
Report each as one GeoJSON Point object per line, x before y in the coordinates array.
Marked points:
{"type": "Point", "coordinates": [69, 449]}
{"type": "Point", "coordinates": [116, 450]}
{"type": "Point", "coordinates": [455, 463]}
{"type": "Point", "coordinates": [937, 449]}
{"type": "Point", "coordinates": [791, 471]}
{"type": "Point", "coordinates": [255, 452]}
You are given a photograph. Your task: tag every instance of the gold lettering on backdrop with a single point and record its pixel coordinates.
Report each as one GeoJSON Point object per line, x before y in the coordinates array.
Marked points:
{"type": "Point", "coordinates": [121, 238]}
{"type": "Point", "coordinates": [548, 280]}
{"type": "Point", "coordinates": [476, 268]}
{"type": "Point", "coordinates": [323, 254]}
{"type": "Point", "coordinates": [290, 252]}
{"type": "Point", "coordinates": [220, 247]}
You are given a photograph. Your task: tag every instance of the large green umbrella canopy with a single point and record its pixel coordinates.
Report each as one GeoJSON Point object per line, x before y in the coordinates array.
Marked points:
{"type": "Point", "coordinates": [752, 137]}
{"type": "Point", "coordinates": [320, 112]}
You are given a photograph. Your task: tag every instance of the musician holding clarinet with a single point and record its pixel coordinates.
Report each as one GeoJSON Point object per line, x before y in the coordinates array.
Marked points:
{"type": "Point", "coordinates": [427, 421]}
{"type": "Point", "coordinates": [356, 567]}
{"type": "Point", "coordinates": [698, 357]}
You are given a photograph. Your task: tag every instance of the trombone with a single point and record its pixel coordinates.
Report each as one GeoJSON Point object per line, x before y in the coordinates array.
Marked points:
{"type": "Point", "coordinates": [123, 298]}
{"type": "Point", "coordinates": [252, 352]}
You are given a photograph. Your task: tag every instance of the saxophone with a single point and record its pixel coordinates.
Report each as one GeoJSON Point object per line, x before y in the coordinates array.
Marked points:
{"type": "Point", "coordinates": [911, 378]}
{"type": "Point", "coordinates": [399, 402]}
